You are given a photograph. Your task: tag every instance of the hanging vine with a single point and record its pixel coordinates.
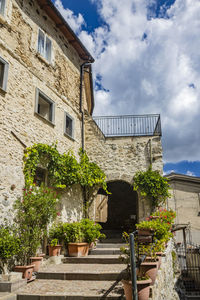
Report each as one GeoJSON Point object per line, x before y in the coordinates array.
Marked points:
{"type": "Point", "coordinates": [63, 169]}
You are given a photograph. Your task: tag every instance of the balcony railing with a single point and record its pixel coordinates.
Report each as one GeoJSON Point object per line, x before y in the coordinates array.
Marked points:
{"type": "Point", "coordinates": [141, 125]}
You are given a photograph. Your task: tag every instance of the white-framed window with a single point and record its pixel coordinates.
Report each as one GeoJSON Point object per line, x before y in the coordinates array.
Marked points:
{"type": "Point", "coordinates": [44, 45]}
{"type": "Point", "coordinates": [68, 125]}
{"type": "Point", "coordinates": [44, 106]}
{"type": "Point", "coordinates": [3, 74]}
{"type": "Point", "coordinates": [2, 7]}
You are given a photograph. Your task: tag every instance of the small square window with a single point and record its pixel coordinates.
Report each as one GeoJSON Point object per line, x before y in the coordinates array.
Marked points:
{"type": "Point", "coordinates": [44, 45]}
{"type": "Point", "coordinates": [69, 125]}
{"type": "Point", "coordinates": [2, 6]}
{"type": "Point", "coordinates": [3, 74]}
{"type": "Point", "coordinates": [45, 107]}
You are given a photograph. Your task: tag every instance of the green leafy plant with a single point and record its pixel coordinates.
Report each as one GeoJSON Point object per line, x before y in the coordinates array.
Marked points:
{"type": "Point", "coordinates": [63, 169]}
{"type": "Point", "coordinates": [152, 185]}
{"type": "Point", "coordinates": [73, 233]}
{"type": "Point", "coordinates": [161, 229]}
{"type": "Point", "coordinates": [56, 232]}
{"type": "Point", "coordinates": [91, 231]}
{"type": "Point", "coordinates": [54, 242]}
{"type": "Point", "coordinates": [9, 247]}
{"type": "Point", "coordinates": [34, 212]}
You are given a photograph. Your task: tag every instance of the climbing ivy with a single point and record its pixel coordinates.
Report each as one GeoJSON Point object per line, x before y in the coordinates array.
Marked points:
{"type": "Point", "coordinates": [63, 169]}
{"type": "Point", "coordinates": [152, 185]}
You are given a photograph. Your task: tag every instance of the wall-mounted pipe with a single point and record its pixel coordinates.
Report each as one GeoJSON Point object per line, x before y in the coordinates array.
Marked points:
{"type": "Point", "coordinates": [81, 104]}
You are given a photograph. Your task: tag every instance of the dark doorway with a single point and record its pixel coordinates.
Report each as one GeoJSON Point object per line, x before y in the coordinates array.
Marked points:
{"type": "Point", "coordinates": [122, 206]}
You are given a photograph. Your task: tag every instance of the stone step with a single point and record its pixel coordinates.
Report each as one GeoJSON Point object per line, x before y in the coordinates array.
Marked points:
{"type": "Point", "coordinates": [93, 259]}
{"type": "Point", "coordinates": [71, 290]}
{"type": "Point", "coordinates": [83, 272]}
{"type": "Point", "coordinates": [112, 241]}
{"type": "Point", "coordinates": [110, 245]}
{"type": "Point", "coordinates": [8, 296]}
{"type": "Point", "coordinates": [105, 251]}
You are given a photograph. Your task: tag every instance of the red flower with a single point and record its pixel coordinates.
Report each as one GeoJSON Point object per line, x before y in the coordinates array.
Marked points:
{"type": "Point", "coordinates": [147, 219]}
{"type": "Point", "coordinates": [58, 213]}
{"type": "Point", "coordinates": [165, 217]}
{"type": "Point", "coordinates": [29, 192]}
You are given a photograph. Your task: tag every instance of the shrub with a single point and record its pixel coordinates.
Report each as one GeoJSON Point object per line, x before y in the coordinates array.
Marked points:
{"type": "Point", "coordinates": [91, 230]}
{"type": "Point", "coordinates": [34, 212]}
{"type": "Point", "coordinates": [9, 247]}
{"type": "Point", "coordinates": [152, 185]}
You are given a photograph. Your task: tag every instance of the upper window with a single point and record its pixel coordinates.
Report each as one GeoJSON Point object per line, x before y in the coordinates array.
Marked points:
{"type": "Point", "coordinates": [2, 7]}
{"type": "Point", "coordinates": [69, 125]}
{"type": "Point", "coordinates": [44, 45]}
{"type": "Point", "coordinates": [3, 73]}
{"type": "Point", "coordinates": [45, 107]}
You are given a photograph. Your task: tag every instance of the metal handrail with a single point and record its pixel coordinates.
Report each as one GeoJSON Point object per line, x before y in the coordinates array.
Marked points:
{"type": "Point", "coordinates": [129, 125]}
{"type": "Point", "coordinates": [133, 264]}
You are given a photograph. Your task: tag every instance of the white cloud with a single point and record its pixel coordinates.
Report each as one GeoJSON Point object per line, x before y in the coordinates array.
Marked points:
{"type": "Point", "coordinates": [189, 173]}
{"type": "Point", "coordinates": [76, 22]}
{"type": "Point", "coordinates": [158, 72]}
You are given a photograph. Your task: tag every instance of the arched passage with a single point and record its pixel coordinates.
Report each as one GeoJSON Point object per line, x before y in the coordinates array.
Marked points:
{"type": "Point", "coordinates": [122, 206]}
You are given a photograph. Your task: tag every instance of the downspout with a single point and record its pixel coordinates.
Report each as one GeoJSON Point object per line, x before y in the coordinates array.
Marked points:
{"type": "Point", "coordinates": [83, 131]}
{"type": "Point", "coordinates": [81, 105]}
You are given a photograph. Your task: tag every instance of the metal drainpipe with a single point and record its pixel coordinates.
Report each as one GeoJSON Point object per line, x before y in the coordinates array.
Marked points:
{"type": "Point", "coordinates": [81, 104]}
{"type": "Point", "coordinates": [82, 124]}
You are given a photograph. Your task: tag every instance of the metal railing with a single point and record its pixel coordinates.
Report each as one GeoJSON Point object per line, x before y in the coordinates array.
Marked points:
{"type": "Point", "coordinates": [136, 259]}
{"type": "Point", "coordinates": [127, 125]}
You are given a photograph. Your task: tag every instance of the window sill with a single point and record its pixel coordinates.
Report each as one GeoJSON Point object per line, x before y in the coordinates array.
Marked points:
{"type": "Point", "coordinates": [49, 64]}
{"type": "Point", "coordinates": [45, 120]}
{"type": "Point", "coordinates": [69, 136]}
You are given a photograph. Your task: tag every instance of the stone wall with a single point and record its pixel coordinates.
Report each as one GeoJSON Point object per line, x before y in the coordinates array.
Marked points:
{"type": "Point", "coordinates": [121, 157]}
{"type": "Point", "coordinates": [59, 80]}
{"type": "Point", "coordinates": [164, 286]}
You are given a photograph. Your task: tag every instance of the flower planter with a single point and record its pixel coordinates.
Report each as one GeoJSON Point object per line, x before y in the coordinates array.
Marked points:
{"type": "Point", "coordinates": [78, 249]}
{"type": "Point", "coordinates": [159, 255]}
{"type": "Point", "coordinates": [54, 250]}
{"type": "Point", "coordinates": [25, 270]}
{"type": "Point", "coordinates": [150, 269]}
{"type": "Point", "coordinates": [145, 232]}
{"type": "Point", "coordinates": [143, 287]}
{"type": "Point", "coordinates": [36, 261]}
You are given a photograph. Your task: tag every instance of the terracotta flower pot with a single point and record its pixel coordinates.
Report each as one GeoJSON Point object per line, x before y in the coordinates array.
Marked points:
{"type": "Point", "coordinates": [25, 270]}
{"type": "Point", "coordinates": [145, 232]}
{"type": "Point", "coordinates": [150, 269]}
{"type": "Point", "coordinates": [159, 255]}
{"type": "Point", "coordinates": [36, 261]}
{"type": "Point", "coordinates": [143, 287]}
{"type": "Point", "coordinates": [78, 249]}
{"type": "Point", "coordinates": [54, 250]}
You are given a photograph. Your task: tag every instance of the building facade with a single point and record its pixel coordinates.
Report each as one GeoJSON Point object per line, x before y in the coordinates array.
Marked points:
{"type": "Point", "coordinates": [185, 200]}
{"type": "Point", "coordinates": [46, 96]}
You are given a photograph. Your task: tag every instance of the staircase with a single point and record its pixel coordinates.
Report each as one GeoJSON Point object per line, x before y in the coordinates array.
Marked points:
{"type": "Point", "coordinates": [94, 277]}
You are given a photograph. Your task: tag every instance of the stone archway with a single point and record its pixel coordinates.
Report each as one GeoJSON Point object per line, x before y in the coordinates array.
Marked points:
{"type": "Point", "coordinates": [121, 206]}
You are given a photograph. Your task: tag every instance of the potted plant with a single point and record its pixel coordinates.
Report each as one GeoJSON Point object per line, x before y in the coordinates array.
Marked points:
{"type": "Point", "coordinates": [36, 261]}
{"type": "Point", "coordinates": [92, 232]}
{"type": "Point", "coordinates": [75, 239]}
{"type": "Point", "coordinates": [54, 248]}
{"type": "Point", "coordinates": [33, 213]}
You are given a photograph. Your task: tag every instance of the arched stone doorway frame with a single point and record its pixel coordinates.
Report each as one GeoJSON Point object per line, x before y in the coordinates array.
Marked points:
{"type": "Point", "coordinates": [124, 210]}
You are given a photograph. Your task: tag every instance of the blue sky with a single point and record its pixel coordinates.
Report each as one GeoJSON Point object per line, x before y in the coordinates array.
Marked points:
{"type": "Point", "coordinates": [147, 60]}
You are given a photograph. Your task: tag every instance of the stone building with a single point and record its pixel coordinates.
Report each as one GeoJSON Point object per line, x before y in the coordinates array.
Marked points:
{"type": "Point", "coordinates": [185, 201]}
{"type": "Point", "coordinates": [46, 95]}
